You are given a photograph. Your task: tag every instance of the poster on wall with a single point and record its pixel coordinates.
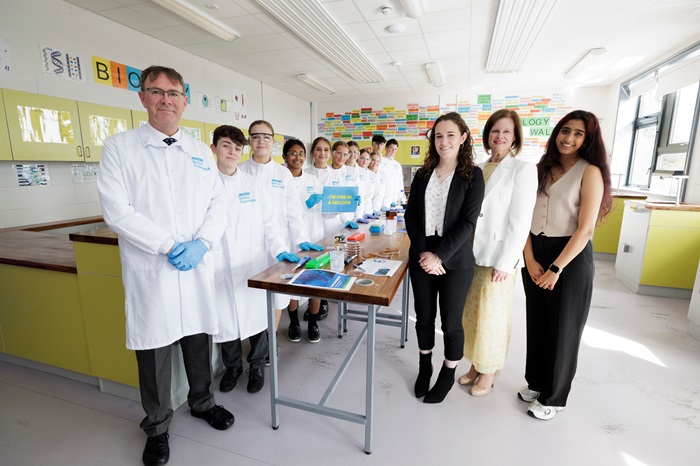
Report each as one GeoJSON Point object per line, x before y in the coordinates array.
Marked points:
{"type": "Point", "coordinates": [61, 64]}
{"type": "Point", "coordinates": [222, 105]}
{"type": "Point", "coordinates": [5, 62]}
{"type": "Point", "coordinates": [31, 174]}
{"type": "Point", "coordinates": [239, 106]}
{"type": "Point", "coordinates": [415, 152]}
{"type": "Point", "coordinates": [203, 100]}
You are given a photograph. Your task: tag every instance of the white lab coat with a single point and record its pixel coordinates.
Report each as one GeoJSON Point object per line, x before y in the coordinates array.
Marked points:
{"type": "Point", "coordinates": [252, 238]}
{"type": "Point", "coordinates": [506, 213]}
{"type": "Point", "coordinates": [306, 185]}
{"type": "Point", "coordinates": [393, 173]}
{"type": "Point", "coordinates": [332, 223]}
{"type": "Point", "coordinates": [379, 190]}
{"type": "Point", "coordinates": [287, 209]}
{"type": "Point", "coordinates": [154, 195]}
{"type": "Point", "coordinates": [369, 179]}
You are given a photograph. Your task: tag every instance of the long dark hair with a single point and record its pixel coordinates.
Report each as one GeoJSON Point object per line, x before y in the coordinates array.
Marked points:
{"type": "Point", "coordinates": [465, 157]}
{"type": "Point", "coordinates": [592, 150]}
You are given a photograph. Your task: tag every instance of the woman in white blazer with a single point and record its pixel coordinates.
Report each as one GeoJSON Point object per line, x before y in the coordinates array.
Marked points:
{"type": "Point", "coordinates": [499, 239]}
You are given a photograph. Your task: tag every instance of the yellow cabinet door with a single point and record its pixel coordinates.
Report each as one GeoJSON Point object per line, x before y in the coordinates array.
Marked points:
{"type": "Point", "coordinates": [98, 122]}
{"type": "Point", "coordinates": [43, 127]}
{"type": "Point", "coordinates": [5, 151]}
{"type": "Point", "coordinates": [277, 149]}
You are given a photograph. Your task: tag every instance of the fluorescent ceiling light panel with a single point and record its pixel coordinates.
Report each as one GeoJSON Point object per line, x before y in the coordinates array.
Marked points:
{"type": "Point", "coordinates": [309, 20]}
{"type": "Point", "coordinates": [199, 18]}
{"type": "Point", "coordinates": [518, 23]}
{"type": "Point", "coordinates": [312, 81]}
{"type": "Point", "coordinates": [435, 74]}
{"type": "Point", "coordinates": [584, 62]}
{"type": "Point", "coordinates": [412, 8]}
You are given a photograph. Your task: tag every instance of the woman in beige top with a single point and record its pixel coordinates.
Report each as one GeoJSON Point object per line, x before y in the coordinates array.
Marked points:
{"type": "Point", "coordinates": [573, 194]}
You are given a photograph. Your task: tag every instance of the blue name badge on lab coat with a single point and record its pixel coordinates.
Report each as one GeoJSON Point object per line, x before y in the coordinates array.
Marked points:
{"type": "Point", "coordinates": [339, 199]}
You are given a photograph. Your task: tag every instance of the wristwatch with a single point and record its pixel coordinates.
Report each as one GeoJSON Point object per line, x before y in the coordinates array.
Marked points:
{"type": "Point", "coordinates": [554, 269]}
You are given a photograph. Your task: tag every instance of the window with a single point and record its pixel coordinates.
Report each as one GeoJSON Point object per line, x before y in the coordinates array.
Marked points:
{"type": "Point", "coordinates": [654, 130]}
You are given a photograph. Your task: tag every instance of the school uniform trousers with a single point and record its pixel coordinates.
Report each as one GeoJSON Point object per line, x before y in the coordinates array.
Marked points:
{"type": "Point", "coordinates": [155, 374]}
{"type": "Point", "coordinates": [556, 319]}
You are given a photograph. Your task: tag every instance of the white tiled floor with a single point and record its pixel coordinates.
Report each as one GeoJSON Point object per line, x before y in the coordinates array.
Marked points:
{"type": "Point", "coordinates": [635, 401]}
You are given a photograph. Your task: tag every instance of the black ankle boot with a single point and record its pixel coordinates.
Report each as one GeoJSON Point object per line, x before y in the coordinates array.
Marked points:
{"type": "Point", "coordinates": [425, 371]}
{"type": "Point", "coordinates": [445, 380]}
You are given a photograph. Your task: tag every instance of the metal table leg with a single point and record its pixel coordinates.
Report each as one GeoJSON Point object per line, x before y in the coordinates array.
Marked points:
{"type": "Point", "coordinates": [405, 307]}
{"type": "Point", "coordinates": [369, 395]}
{"type": "Point", "coordinates": [272, 338]}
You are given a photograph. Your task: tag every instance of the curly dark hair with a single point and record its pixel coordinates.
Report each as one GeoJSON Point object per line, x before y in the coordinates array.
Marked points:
{"type": "Point", "coordinates": [465, 158]}
{"type": "Point", "coordinates": [592, 150]}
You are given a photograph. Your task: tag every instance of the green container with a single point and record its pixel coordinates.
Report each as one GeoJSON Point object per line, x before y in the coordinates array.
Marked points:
{"type": "Point", "coordinates": [319, 261]}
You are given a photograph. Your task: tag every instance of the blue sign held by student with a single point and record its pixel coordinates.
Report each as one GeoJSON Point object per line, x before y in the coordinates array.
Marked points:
{"type": "Point", "coordinates": [339, 199]}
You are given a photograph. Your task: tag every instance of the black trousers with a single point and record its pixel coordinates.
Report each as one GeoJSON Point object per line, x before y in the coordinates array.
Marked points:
{"type": "Point", "coordinates": [450, 290]}
{"type": "Point", "coordinates": [555, 320]}
{"type": "Point", "coordinates": [155, 376]}
{"type": "Point", "coordinates": [232, 351]}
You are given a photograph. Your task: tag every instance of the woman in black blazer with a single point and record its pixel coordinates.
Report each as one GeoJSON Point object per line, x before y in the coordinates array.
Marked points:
{"type": "Point", "coordinates": [443, 206]}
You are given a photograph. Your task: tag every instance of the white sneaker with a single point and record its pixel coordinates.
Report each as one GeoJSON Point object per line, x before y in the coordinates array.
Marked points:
{"type": "Point", "coordinates": [540, 411]}
{"type": "Point", "coordinates": [528, 395]}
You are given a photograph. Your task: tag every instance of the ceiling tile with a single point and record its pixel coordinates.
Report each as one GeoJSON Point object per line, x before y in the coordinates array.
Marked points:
{"type": "Point", "coordinates": [344, 11]}
{"type": "Point", "coordinates": [248, 25]}
{"type": "Point", "coordinates": [132, 19]}
{"type": "Point", "coordinates": [371, 46]}
{"type": "Point", "coordinates": [395, 44]}
{"type": "Point", "coordinates": [360, 31]}
{"type": "Point", "coordinates": [435, 22]}
{"type": "Point", "coordinates": [269, 42]}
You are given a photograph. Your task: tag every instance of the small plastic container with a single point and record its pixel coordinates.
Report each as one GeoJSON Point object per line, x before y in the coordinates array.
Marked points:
{"type": "Point", "coordinates": [390, 228]}
{"type": "Point", "coordinates": [376, 229]}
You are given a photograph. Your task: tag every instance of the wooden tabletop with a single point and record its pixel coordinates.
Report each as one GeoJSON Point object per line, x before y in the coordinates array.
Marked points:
{"type": "Point", "coordinates": [666, 205]}
{"type": "Point", "coordinates": [381, 292]}
{"type": "Point", "coordinates": [102, 235]}
{"type": "Point", "coordinates": [37, 250]}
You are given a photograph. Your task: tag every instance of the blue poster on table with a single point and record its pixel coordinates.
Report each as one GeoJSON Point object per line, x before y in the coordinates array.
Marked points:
{"type": "Point", "coordinates": [339, 199]}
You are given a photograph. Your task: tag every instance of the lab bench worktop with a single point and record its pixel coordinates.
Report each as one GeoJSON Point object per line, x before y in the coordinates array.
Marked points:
{"type": "Point", "coordinates": [45, 247]}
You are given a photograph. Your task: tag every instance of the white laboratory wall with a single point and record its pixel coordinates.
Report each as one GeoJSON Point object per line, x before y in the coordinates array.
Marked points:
{"type": "Point", "coordinates": [29, 24]}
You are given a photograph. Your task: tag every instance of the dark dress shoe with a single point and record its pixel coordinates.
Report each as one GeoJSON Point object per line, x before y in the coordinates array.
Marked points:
{"type": "Point", "coordinates": [425, 372]}
{"type": "Point", "coordinates": [256, 379]}
{"type": "Point", "coordinates": [157, 450]}
{"type": "Point", "coordinates": [444, 383]}
{"type": "Point", "coordinates": [230, 379]}
{"type": "Point", "coordinates": [218, 417]}
{"type": "Point", "coordinates": [322, 311]}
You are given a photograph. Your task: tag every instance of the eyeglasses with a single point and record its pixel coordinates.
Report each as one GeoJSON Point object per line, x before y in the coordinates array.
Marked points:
{"type": "Point", "coordinates": [159, 93]}
{"type": "Point", "coordinates": [340, 154]}
{"type": "Point", "coordinates": [293, 153]}
{"type": "Point", "coordinates": [267, 137]}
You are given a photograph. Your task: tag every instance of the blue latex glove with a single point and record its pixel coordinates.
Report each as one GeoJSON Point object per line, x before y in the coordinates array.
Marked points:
{"type": "Point", "coordinates": [351, 224]}
{"type": "Point", "coordinates": [384, 208]}
{"type": "Point", "coordinates": [313, 200]}
{"type": "Point", "coordinates": [377, 213]}
{"type": "Point", "coordinates": [373, 216]}
{"type": "Point", "coordinates": [358, 199]}
{"type": "Point", "coordinates": [305, 246]}
{"type": "Point", "coordinates": [287, 256]}
{"type": "Point", "coordinates": [393, 204]}
{"type": "Point", "coordinates": [361, 220]}
{"type": "Point", "coordinates": [187, 255]}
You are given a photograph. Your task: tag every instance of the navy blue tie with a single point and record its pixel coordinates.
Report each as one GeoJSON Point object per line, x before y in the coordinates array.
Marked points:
{"type": "Point", "coordinates": [169, 141]}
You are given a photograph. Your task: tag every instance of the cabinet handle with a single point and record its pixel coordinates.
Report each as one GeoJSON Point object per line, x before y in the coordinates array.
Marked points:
{"type": "Point", "coordinates": [624, 247]}
{"type": "Point", "coordinates": [87, 152]}
{"type": "Point", "coordinates": [80, 152]}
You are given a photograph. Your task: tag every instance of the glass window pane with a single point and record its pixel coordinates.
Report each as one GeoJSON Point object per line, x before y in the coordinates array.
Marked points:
{"type": "Point", "coordinates": [194, 132]}
{"type": "Point", "coordinates": [673, 162]}
{"type": "Point", "coordinates": [45, 125]}
{"type": "Point", "coordinates": [650, 104]}
{"type": "Point", "coordinates": [102, 127]}
{"type": "Point", "coordinates": [683, 114]}
{"type": "Point", "coordinates": [642, 156]}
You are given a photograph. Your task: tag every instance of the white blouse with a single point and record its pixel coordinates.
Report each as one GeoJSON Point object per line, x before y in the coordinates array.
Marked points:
{"type": "Point", "coordinates": [435, 203]}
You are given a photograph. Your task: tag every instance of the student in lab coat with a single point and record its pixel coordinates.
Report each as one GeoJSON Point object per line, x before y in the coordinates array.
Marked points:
{"type": "Point", "coordinates": [394, 195]}
{"type": "Point", "coordinates": [309, 191]}
{"type": "Point", "coordinates": [380, 182]}
{"type": "Point", "coordinates": [277, 179]}
{"type": "Point", "coordinates": [252, 238]}
{"type": "Point", "coordinates": [161, 194]}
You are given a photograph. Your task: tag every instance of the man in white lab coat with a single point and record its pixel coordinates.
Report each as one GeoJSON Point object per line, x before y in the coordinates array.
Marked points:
{"type": "Point", "coordinates": [161, 193]}
{"type": "Point", "coordinates": [252, 238]}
